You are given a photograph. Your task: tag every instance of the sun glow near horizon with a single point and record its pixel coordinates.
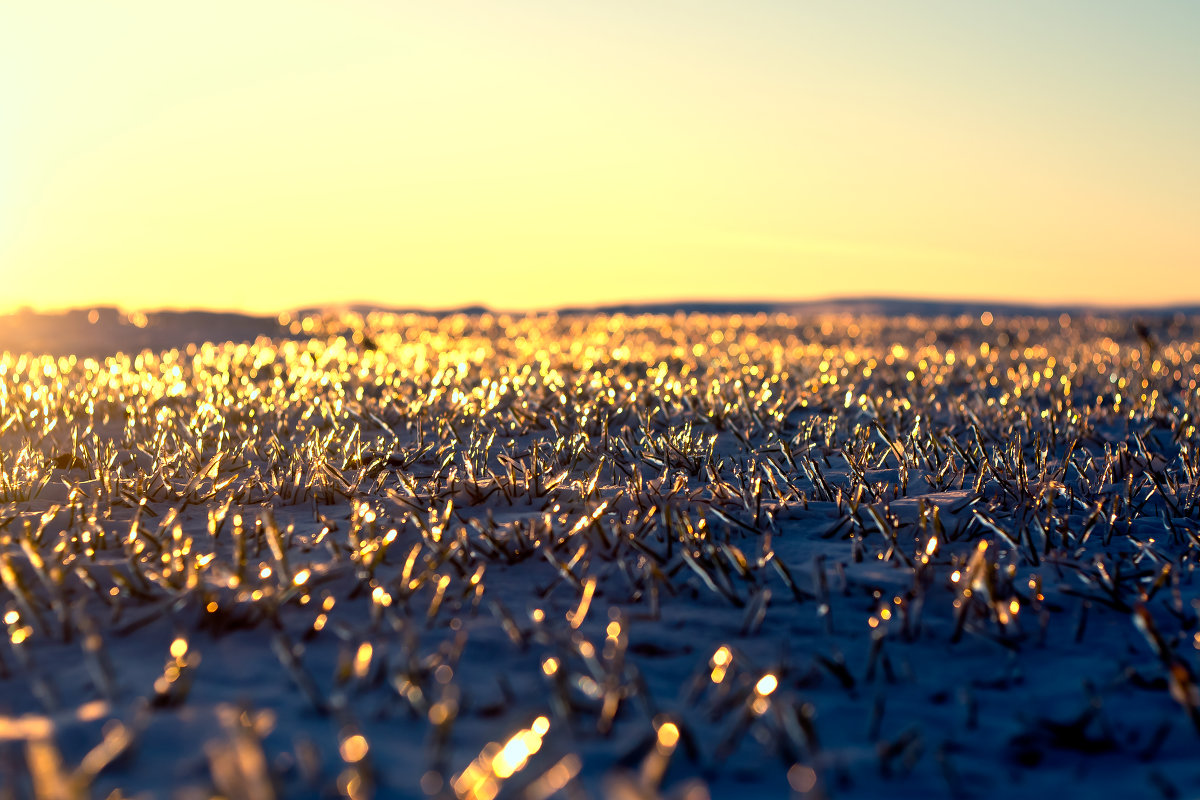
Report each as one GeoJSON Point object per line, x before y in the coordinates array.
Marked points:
{"type": "Point", "coordinates": [284, 154]}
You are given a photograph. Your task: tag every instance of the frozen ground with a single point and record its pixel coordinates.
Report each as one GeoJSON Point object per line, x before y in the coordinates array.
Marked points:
{"type": "Point", "coordinates": [607, 556]}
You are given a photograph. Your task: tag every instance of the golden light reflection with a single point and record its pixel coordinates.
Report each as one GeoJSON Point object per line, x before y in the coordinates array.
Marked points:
{"type": "Point", "coordinates": [720, 662]}
{"type": "Point", "coordinates": [766, 685]}
{"type": "Point", "coordinates": [353, 748]}
{"type": "Point", "coordinates": [585, 600]}
{"type": "Point", "coordinates": [496, 763]}
{"type": "Point", "coordinates": [362, 660]}
{"type": "Point", "coordinates": [668, 735]}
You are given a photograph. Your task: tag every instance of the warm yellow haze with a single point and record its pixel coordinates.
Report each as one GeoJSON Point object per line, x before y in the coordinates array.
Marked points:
{"type": "Point", "coordinates": [265, 155]}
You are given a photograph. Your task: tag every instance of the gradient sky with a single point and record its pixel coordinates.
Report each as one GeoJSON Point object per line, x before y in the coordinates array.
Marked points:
{"type": "Point", "coordinates": [270, 154]}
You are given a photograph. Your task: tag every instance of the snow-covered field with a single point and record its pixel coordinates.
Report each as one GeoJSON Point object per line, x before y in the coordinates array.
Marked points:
{"type": "Point", "coordinates": [607, 556]}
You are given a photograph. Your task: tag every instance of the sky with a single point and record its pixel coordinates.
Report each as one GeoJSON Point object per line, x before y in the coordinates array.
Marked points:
{"type": "Point", "coordinates": [268, 155]}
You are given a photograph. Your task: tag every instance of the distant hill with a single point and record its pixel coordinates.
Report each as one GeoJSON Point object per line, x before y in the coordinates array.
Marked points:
{"type": "Point", "coordinates": [367, 308]}
{"type": "Point", "coordinates": [101, 332]}
{"type": "Point", "coordinates": [879, 306]}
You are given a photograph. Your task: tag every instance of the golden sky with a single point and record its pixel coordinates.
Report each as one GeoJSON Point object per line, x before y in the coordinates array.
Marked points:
{"type": "Point", "coordinates": [270, 154]}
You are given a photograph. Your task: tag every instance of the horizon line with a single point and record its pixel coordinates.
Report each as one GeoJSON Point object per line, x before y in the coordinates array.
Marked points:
{"type": "Point", "coordinates": [616, 306]}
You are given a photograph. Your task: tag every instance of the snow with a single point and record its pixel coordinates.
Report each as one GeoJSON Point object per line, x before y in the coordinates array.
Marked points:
{"type": "Point", "coordinates": [679, 631]}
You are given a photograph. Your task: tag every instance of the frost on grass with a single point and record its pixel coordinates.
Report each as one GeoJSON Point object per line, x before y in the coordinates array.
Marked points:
{"type": "Point", "coordinates": [623, 556]}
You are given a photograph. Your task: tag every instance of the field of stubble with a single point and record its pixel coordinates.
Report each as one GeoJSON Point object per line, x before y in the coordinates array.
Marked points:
{"type": "Point", "coordinates": [607, 556]}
